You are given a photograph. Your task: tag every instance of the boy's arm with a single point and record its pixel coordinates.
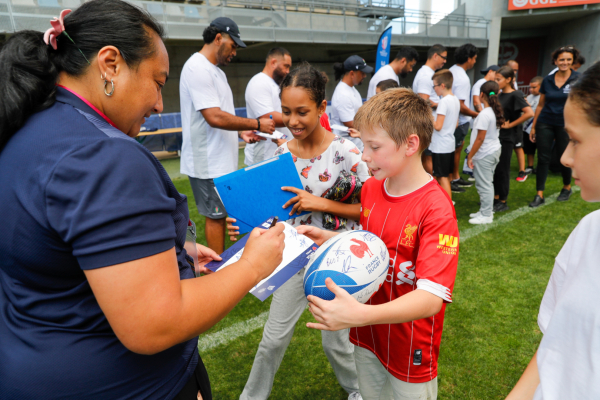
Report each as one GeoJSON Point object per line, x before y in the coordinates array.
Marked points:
{"type": "Point", "coordinates": [528, 383]}
{"type": "Point", "coordinates": [439, 122]}
{"type": "Point", "coordinates": [346, 312]}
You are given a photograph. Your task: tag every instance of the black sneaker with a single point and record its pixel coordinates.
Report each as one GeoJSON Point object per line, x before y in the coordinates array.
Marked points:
{"type": "Point", "coordinates": [564, 195]}
{"type": "Point", "coordinates": [456, 189]}
{"type": "Point", "coordinates": [461, 182]}
{"type": "Point", "coordinates": [529, 170]}
{"type": "Point", "coordinates": [500, 206]}
{"type": "Point", "coordinates": [537, 201]}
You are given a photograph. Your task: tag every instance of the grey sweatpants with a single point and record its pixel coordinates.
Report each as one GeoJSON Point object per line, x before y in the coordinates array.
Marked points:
{"type": "Point", "coordinates": [286, 308]}
{"type": "Point", "coordinates": [484, 181]}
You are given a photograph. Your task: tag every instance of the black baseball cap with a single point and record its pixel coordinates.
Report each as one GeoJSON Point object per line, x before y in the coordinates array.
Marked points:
{"type": "Point", "coordinates": [226, 25]}
{"type": "Point", "coordinates": [357, 63]}
{"type": "Point", "coordinates": [490, 68]}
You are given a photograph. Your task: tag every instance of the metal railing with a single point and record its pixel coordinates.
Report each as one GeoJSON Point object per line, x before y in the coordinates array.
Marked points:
{"type": "Point", "coordinates": [272, 20]}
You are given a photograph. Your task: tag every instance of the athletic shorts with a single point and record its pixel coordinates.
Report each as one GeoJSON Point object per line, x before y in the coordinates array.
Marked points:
{"type": "Point", "coordinates": [460, 133]}
{"type": "Point", "coordinates": [208, 201]}
{"type": "Point", "coordinates": [528, 146]}
{"type": "Point", "coordinates": [443, 164]}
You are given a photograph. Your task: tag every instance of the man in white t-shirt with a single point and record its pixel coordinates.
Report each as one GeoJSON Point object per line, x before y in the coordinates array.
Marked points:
{"type": "Point", "coordinates": [262, 101]}
{"type": "Point", "coordinates": [210, 128]}
{"type": "Point", "coordinates": [465, 57]}
{"type": "Point", "coordinates": [488, 75]}
{"type": "Point", "coordinates": [423, 86]}
{"type": "Point", "coordinates": [442, 141]}
{"type": "Point", "coordinates": [515, 67]}
{"type": "Point", "coordinates": [346, 100]}
{"type": "Point", "coordinates": [403, 64]}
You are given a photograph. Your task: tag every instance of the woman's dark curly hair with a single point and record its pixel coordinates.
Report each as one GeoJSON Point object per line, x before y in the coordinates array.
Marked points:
{"type": "Point", "coordinates": [565, 49]}
{"type": "Point", "coordinates": [487, 89]}
{"type": "Point", "coordinates": [308, 77]}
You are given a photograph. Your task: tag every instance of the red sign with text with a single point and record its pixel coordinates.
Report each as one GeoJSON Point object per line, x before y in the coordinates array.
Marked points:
{"type": "Point", "coordinates": [529, 4]}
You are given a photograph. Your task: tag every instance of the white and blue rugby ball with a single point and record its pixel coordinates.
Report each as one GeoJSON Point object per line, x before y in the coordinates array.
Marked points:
{"type": "Point", "coordinates": [357, 261]}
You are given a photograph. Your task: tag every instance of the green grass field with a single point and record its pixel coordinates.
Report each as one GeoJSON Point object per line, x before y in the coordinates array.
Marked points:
{"type": "Point", "coordinates": [490, 331]}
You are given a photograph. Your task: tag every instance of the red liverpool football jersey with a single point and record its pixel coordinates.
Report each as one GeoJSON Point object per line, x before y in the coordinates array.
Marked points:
{"type": "Point", "coordinates": [421, 234]}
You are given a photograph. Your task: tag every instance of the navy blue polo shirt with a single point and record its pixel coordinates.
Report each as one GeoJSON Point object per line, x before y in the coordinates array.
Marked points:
{"type": "Point", "coordinates": [555, 99]}
{"type": "Point", "coordinates": [77, 194]}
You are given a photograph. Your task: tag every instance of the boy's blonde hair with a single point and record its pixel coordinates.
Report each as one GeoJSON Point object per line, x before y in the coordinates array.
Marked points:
{"type": "Point", "coordinates": [443, 76]}
{"type": "Point", "coordinates": [401, 113]}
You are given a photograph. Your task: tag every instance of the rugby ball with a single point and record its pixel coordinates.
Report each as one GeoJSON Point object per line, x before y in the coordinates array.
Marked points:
{"type": "Point", "coordinates": [357, 261]}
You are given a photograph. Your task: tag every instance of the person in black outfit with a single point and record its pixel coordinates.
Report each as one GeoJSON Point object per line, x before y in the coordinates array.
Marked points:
{"type": "Point", "coordinates": [516, 111]}
{"type": "Point", "coordinates": [548, 128]}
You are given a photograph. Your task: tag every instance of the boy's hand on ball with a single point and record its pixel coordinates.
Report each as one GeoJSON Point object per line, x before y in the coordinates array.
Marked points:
{"type": "Point", "coordinates": [264, 250]}
{"type": "Point", "coordinates": [304, 201]}
{"type": "Point", "coordinates": [344, 311]}
{"type": "Point", "coordinates": [232, 230]}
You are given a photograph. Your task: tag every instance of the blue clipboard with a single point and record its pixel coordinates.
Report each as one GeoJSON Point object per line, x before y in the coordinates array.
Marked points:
{"type": "Point", "coordinates": [253, 194]}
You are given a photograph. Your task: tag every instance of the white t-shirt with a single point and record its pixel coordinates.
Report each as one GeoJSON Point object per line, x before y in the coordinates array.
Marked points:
{"type": "Point", "coordinates": [486, 121]}
{"type": "Point", "coordinates": [262, 97]}
{"type": "Point", "coordinates": [320, 173]}
{"type": "Point", "coordinates": [345, 102]}
{"type": "Point", "coordinates": [384, 73]}
{"type": "Point", "coordinates": [533, 102]}
{"type": "Point", "coordinates": [443, 141]}
{"type": "Point", "coordinates": [423, 83]}
{"type": "Point", "coordinates": [461, 87]}
{"type": "Point", "coordinates": [206, 152]}
{"type": "Point", "coordinates": [569, 355]}
{"type": "Point", "coordinates": [476, 91]}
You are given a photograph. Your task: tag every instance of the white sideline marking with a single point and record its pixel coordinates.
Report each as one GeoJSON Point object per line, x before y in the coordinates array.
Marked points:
{"type": "Point", "coordinates": [229, 334]}
{"type": "Point", "coordinates": [224, 336]}
{"type": "Point", "coordinates": [476, 230]}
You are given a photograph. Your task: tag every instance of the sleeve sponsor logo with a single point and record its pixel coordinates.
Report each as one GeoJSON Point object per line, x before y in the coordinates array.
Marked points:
{"type": "Point", "coordinates": [448, 244]}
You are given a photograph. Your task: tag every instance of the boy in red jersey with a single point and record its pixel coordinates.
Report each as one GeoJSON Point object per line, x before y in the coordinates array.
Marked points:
{"type": "Point", "coordinates": [397, 333]}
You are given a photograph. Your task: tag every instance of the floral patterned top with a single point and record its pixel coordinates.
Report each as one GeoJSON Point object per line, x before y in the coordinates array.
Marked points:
{"type": "Point", "coordinates": [320, 173]}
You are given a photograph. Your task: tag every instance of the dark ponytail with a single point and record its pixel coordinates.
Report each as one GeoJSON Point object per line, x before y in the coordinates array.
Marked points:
{"type": "Point", "coordinates": [29, 68]}
{"type": "Point", "coordinates": [490, 90]}
{"type": "Point", "coordinates": [339, 71]}
{"type": "Point", "coordinates": [309, 78]}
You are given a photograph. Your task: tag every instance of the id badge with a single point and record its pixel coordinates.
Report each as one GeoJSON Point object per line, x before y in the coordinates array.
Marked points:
{"type": "Point", "coordinates": [190, 246]}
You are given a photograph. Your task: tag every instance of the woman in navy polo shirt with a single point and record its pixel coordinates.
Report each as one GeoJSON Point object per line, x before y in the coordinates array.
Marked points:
{"type": "Point", "coordinates": [548, 127]}
{"type": "Point", "coordinates": [95, 300]}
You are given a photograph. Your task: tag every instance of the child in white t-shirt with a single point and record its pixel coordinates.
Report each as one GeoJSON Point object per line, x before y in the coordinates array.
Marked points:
{"type": "Point", "coordinates": [485, 149]}
{"type": "Point", "coordinates": [533, 99]}
{"type": "Point", "coordinates": [446, 120]}
{"type": "Point", "coordinates": [567, 362]}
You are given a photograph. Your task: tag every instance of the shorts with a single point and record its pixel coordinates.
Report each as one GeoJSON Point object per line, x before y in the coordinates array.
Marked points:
{"type": "Point", "coordinates": [427, 152]}
{"type": "Point", "coordinates": [198, 382]}
{"type": "Point", "coordinates": [528, 146]}
{"type": "Point", "coordinates": [208, 201]}
{"type": "Point", "coordinates": [519, 138]}
{"type": "Point", "coordinates": [460, 133]}
{"type": "Point", "coordinates": [376, 382]}
{"type": "Point", "coordinates": [443, 164]}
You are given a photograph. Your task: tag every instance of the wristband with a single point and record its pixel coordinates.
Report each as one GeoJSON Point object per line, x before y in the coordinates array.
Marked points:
{"type": "Point", "coordinates": [258, 120]}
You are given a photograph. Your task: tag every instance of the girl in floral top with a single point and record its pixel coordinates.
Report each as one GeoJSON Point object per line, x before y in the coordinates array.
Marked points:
{"type": "Point", "coordinates": [320, 158]}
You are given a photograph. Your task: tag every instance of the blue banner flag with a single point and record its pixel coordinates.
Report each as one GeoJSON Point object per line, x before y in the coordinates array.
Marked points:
{"type": "Point", "coordinates": [383, 49]}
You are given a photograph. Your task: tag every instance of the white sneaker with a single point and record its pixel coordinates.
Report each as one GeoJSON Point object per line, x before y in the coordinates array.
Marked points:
{"type": "Point", "coordinates": [480, 219]}
{"type": "Point", "coordinates": [471, 179]}
{"type": "Point", "coordinates": [475, 215]}
{"type": "Point", "coordinates": [355, 396]}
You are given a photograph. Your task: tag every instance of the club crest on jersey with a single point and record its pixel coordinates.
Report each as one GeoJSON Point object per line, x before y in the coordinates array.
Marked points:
{"type": "Point", "coordinates": [448, 244]}
{"type": "Point", "coordinates": [409, 236]}
{"type": "Point", "coordinates": [366, 212]}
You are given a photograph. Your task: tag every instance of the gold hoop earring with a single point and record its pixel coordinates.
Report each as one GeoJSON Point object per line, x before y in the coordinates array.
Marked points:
{"type": "Point", "coordinates": [112, 90]}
